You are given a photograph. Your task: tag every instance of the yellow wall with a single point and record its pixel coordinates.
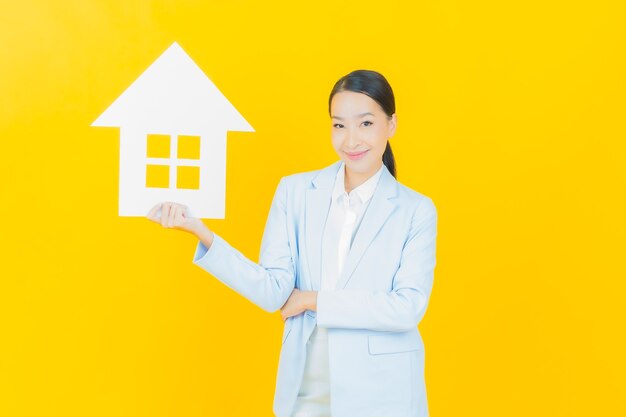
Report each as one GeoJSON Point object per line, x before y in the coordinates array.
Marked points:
{"type": "Point", "coordinates": [511, 117]}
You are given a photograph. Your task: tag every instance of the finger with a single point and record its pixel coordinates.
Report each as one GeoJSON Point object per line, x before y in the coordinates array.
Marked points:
{"type": "Point", "coordinates": [165, 212]}
{"type": "Point", "coordinates": [179, 216]}
{"type": "Point", "coordinates": [171, 221]}
{"type": "Point", "coordinates": [153, 211]}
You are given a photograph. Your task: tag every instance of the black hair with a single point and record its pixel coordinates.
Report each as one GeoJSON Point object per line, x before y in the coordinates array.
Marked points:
{"type": "Point", "coordinates": [376, 87]}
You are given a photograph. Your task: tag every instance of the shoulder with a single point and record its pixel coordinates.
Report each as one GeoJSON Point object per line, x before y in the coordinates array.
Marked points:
{"type": "Point", "coordinates": [420, 204]}
{"type": "Point", "coordinates": [291, 189]}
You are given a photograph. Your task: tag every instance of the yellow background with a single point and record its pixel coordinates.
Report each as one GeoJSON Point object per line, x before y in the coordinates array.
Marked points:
{"type": "Point", "coordinates": [510, 117]}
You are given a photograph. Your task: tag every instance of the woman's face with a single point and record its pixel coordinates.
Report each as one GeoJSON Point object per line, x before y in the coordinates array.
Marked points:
{"type": "Point", "coordinates": [360, 130]}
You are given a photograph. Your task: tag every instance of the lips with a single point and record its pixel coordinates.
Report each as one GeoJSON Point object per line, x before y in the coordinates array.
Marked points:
{"type": "Point", "coordinates": [357, 155]}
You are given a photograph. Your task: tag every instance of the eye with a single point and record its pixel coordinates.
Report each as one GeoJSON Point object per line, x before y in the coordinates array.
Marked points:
{"type": "Point", "coordinates": [337, 125]}
{"type": "Point", "coordinates": [367, 121]}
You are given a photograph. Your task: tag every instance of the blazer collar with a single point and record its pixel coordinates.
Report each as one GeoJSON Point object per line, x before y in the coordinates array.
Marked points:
{"type": "Point", "coordinates": [363, 193]}
{"type": "Point", "coordinates": [317, 206]}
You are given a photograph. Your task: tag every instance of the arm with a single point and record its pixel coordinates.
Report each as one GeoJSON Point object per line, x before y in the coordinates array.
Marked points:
{"type": "Point", "coordinates": [206, 237]}
{"type": "Point", "coordinates": [267, 284]}
{"type": "Point", "coordinates": [403, 307]}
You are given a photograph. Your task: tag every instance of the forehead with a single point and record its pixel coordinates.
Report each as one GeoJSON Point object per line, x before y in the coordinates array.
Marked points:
{"type": "Point", "coordinates": [351, 104]}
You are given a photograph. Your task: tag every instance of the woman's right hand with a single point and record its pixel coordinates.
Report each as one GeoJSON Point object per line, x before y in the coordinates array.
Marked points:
{"type": "Point", "coordinates": [175, 216]}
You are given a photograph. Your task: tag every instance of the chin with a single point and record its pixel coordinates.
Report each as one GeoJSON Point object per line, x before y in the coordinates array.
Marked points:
{"type": "Point", "coordinates": [358, 166]}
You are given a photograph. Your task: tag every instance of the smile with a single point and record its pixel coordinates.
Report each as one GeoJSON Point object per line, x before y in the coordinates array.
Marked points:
{"type": "Point", "coordinates": [355, 156]}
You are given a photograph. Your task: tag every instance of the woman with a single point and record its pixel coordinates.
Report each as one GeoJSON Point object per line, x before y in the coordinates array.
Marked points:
{"type": "Point", "coordinates": [348, 256]}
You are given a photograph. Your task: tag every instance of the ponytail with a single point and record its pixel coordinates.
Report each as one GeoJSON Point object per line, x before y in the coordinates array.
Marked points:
{"type": "Point", "coordinates": [389, 160]}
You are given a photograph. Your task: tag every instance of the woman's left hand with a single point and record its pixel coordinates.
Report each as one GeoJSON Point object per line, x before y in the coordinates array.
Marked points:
{"type": "Point", "coordinates": [298, 302]}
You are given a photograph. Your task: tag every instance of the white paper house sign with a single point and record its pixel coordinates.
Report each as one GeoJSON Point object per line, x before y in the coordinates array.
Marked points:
{"type": "Point", "coordinates": [173, 122]}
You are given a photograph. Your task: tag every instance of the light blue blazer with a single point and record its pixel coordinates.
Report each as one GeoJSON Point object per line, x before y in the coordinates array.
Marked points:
{"type": "Point", "coordinates": [376, 353]}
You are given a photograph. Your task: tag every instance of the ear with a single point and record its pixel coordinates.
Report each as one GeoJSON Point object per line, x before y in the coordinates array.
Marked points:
{"type": "Point", "coordinates": [393, 123]}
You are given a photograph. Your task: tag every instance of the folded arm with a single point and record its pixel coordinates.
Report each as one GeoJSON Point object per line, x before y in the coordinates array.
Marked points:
{"type": "Point", "coordinates": [404, 306]}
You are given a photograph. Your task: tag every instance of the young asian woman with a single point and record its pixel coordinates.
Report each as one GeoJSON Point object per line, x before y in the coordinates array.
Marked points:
{"type": "Point", "coordinates": [348, 256]}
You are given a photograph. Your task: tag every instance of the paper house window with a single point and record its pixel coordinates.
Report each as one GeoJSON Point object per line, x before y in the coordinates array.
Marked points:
{"type": "Point", "coordinates": [173, 161]}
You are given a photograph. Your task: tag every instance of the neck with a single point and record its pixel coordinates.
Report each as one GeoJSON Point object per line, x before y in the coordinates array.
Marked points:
{"type": "Point", "coordinates": [354, 179]}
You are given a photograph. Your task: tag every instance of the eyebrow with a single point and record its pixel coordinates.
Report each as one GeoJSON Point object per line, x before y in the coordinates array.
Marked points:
{"type": "Point", "coordinates": [358, 115]}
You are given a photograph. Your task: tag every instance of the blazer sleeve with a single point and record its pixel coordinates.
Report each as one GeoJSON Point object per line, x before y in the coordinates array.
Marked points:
{"type": "Point", "coordinates": [404, 306]}
{"type": "Point", "coordinates": [267, 284]}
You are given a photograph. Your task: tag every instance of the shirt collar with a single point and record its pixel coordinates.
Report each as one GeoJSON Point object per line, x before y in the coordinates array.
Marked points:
{"type": "Point", "coordinates": [364, 191]}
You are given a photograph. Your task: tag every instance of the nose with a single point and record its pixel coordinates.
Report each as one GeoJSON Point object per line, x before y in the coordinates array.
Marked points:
{"type": "Point", "coordinates": [352, 139]}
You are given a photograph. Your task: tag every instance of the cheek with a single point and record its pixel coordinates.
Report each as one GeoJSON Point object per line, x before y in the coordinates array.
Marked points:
{"type": "Point", "coordinates": [377, 136]}
{"type": "Point", "coordinates": [336, 138]}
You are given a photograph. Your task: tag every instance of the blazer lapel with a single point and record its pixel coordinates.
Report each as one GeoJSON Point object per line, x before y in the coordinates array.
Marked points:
{"type": "Point", "coordinates": [376, 214]}
{"type": "Point", "coordinates": [317, 205]}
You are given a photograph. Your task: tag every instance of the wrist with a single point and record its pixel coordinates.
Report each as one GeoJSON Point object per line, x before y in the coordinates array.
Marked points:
{"type": "Point", "coordinates": [312, 300]}
{"type": "Point", "coordinates": [206, 236]}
